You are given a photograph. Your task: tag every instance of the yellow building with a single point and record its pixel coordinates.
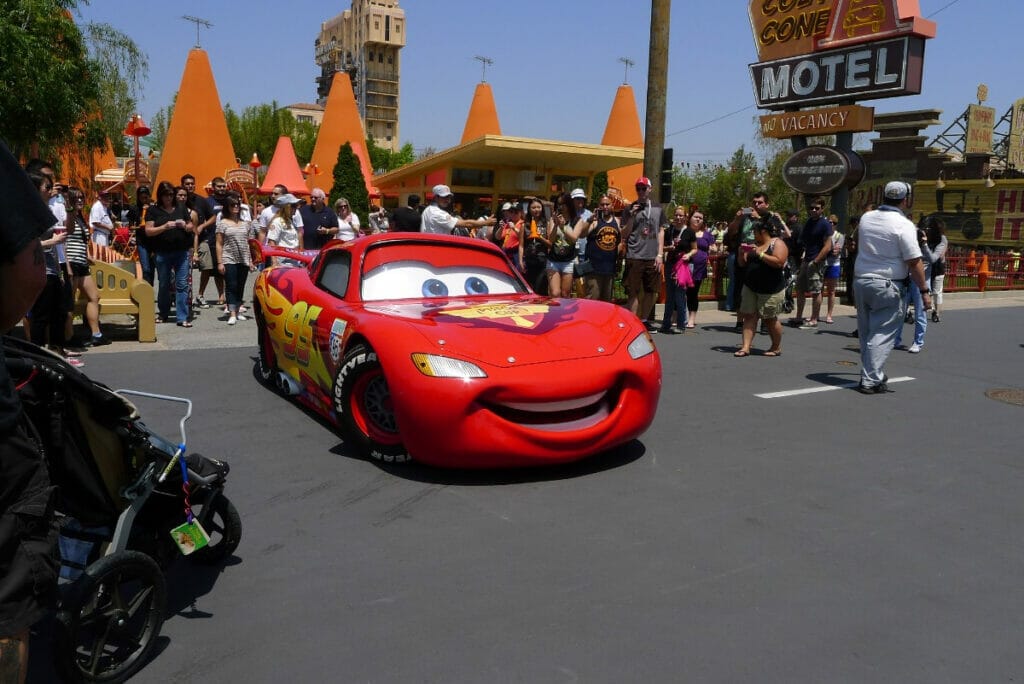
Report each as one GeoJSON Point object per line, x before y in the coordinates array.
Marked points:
{"type": "Point", "coordinates": [488, 168]}
{"type": "Point", "coordinates": [364, 42]}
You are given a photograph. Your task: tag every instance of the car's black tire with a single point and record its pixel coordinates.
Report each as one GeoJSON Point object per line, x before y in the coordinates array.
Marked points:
{"type": "Point", "coordinates": [222, 522]}
{"type": "Point", "coordinates": [362, 401]}
{"type": "Point", "coordinates": [109, 621]}
{"type": "Point", "coordinates": [266, 363]}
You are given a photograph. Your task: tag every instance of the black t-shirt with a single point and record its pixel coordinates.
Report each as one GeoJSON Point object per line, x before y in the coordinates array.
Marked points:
{"type": "Point", "coordinates": [206, 208]}
{"type": "Point", "coordinates": [406, 219]}
{"type": "Point", "coordinates": [173, 240]}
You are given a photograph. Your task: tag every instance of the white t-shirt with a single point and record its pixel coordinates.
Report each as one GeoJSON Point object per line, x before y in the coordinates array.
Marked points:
{"type": "Point", "coordinates": [886, 239]}
{"type": "Point", "coordinates": [284, 235]}
{"type": "Point", "coordinates": [101, 224]}
{"type": "Point", "coordinates": [268, 214]}
{"type": "Point", "coordinates": [348, 227]}
{"type": "Point", "coordinates": [436, 220]}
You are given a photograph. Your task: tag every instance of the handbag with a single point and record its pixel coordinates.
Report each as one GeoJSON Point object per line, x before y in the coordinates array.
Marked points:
{"type": "Point", "coordinates": [582, 267]}
{"type": "Point", "coordinates": [683, 276]}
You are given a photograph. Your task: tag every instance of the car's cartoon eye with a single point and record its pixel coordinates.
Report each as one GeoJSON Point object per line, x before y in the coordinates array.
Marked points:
{"type": "Point", "coordinates": [476, 286]}
{"type": "Point", "coordinates": [432, 287]}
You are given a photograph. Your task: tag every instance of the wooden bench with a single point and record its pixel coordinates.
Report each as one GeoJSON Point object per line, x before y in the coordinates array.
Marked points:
{"type": "Point", "coordinates": [121, 292]}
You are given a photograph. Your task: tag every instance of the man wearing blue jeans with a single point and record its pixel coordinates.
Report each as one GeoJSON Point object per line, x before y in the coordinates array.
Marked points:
{"type": "Point", "coordinates": [888, 258]}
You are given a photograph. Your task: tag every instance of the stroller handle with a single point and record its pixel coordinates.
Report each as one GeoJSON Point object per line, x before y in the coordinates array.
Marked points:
{"type": "Point", "coordinates": [181, 424]}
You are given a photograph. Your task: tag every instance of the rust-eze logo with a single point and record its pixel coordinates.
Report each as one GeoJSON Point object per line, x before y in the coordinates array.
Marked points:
{"type": "Point", "coordinates": [787, 28]}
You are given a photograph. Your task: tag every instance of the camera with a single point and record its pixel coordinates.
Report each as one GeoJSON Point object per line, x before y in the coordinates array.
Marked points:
{"type": "Point", "coordinates": [747, 211]}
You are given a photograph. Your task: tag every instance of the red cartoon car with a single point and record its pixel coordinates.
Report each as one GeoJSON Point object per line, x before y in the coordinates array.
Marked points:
{"type": "Point", "coordinates": [434, 348]}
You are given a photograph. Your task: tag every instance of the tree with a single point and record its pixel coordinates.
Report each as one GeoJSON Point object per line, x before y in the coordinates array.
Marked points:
{"type": "Point", "coordinates": [383, 160]}
{"type": "Point", "coordinates": [158, 125]}
{"type": "Point", "coordinates": [120, 67]}
{"type": "Point", "coordinates": [259, 127]}
{"type": "Point", "coordinates": [349, 183]}
{"type": "Point", "coordinates": [49, 84]}
{"type": "Point", "coordinates": [64, 84]}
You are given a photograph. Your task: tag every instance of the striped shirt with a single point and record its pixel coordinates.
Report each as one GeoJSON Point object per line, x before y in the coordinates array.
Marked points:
{"type": "Point", "coordinates": [77, 243]}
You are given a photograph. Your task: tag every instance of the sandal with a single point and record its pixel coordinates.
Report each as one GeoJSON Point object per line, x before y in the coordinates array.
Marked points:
{"type": "Point", "coordinates": [161, 319]}
{"type": "Point", "coordinates": [740, 353]}
{"type": "Point", "coordinates": [773, 352]}
{"type": "Point", "coordinates": [186, 324]}
{"type": "Point", "coordinates": [829, 320]}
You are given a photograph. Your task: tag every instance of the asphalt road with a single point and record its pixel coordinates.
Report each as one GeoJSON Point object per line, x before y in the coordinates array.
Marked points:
{"type": "Point", "coordinates": [826, 536]}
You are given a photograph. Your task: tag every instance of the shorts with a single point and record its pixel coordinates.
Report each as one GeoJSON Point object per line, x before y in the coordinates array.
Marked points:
{"type": "Point", "coordinates": [767, 306]}
{"type": "Point", "coordinates": [100, 238]}
{"type": "Point", "coordinates": [29, 561]}
{"type": "Point", "coordinates": [641, 277]}
{"type": "Point", "coordinates": [78, 270]}
{"type": "Point", "coordinates": [206, 257]}
{"type": "Point", "coordinates": [561, 266]}
{"type": "Point", "coordinates": [832, 272]}
{"type": "Point", "coordinates": [809, 278]}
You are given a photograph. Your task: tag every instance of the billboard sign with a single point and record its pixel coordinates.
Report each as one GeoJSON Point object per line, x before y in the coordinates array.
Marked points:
{"type": "Point", "coordinates": [829, 51]}
{"type": "Point", "coordinates": [1015, 143]}
{"type": "Point", "coordinates": [887, 68]}
{"type": "Point", "coordinates": [980, 122]}
{"type": "Point", "coordinates": [824, 121]}
{"type": "Point", "coordinates": [819, 170]}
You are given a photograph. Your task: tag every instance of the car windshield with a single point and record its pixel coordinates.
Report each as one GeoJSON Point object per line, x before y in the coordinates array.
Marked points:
{"type": "Point", "coordinates": [418, 271]}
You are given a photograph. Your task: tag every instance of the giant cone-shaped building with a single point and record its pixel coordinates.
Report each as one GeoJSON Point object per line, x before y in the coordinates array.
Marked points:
{"type": "Point", "coordinates": [341, 124]}
{"type": "Point", "coordinates": [483, 115]}
{"type": "Point", "coordinates": [197, 137]}
{"type": "Point", "coordinates": [624, 130]}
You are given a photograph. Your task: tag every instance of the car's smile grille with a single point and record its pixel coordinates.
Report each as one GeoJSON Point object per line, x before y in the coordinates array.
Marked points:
{"type": "Point", "coordinates": [557, 416]}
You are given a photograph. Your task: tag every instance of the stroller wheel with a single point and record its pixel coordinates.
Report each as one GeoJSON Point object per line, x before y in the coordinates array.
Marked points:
{"type": "Point", "coordinates": [787, 307]}
{"type": "Point", "coordinates": [222, 522]}
{"type": "Point", "coordinates": [111, 617]}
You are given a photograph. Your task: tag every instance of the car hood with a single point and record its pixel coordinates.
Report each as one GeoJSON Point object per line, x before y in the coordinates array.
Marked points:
{"type": "Point", "coordinates": [513, 330]}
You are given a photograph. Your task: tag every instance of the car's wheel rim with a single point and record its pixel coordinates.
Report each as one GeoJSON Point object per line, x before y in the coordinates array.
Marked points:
{"type": "Point", "coordinates": [372, 410]}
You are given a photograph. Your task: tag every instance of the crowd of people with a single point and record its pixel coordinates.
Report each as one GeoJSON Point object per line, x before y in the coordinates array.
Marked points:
{"type": "Point", "coordinates": [564, 248]}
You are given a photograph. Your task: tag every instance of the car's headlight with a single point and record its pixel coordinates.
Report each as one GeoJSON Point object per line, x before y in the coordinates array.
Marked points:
{"type": "Point", "coordinates": [641, 346]}
{"type": "Point", "coordinates": [445, 367]}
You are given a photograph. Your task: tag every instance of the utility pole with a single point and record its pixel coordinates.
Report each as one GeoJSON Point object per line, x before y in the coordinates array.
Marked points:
{"type": "Point", "coordinates": [657, 85]}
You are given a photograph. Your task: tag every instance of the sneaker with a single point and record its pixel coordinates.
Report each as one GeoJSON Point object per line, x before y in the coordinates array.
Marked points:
{"type": "Point", "coordinates": [240, 317]}
{"type": "Point", "coordinates": [914, 348]}
{"type": "Point", "coordinates": [900, 347]}
{"type": "Point", "coordinates": [202, 303]}
{"type": "Point", "coordinates": [232, 320]}
{"type": "Point", "coordinates": [72, 361]}
{"type": "Point", "coordinates": [242, 310]}
{"type": "Point", "coordinates": [95, 341]}
{"type": "Point", "coordinates": [935, 317]}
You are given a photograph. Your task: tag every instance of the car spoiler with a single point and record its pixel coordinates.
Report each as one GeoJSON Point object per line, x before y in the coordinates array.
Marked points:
{"type": "Point", "coordinates": [261, 252]}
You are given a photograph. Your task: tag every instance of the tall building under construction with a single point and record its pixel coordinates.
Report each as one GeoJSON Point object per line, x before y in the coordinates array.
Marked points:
{"type": "Point", "coordinates": [365, 42]}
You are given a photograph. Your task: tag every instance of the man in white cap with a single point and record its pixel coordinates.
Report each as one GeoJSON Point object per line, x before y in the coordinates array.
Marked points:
{"type": "Point", "coordinates": [888, 258]}
{"type": "Point", "coordinates": [436, 218]}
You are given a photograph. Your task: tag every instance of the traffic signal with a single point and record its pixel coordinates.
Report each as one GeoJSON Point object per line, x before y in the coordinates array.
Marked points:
{"type": "Point", "coordinates": [665, 177]}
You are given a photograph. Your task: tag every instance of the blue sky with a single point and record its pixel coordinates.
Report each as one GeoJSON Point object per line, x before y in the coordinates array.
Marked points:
{"type": "Point", "coordinates": [556, 62]}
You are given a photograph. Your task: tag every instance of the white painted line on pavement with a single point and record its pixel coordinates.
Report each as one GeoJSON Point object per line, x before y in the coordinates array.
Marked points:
{"type": "Point", "coordinates": [822, 388]}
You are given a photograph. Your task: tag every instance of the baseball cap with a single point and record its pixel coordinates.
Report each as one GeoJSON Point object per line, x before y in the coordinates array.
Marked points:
{"type": "Point", "coordinates": [442, 191]}
{"type": "Point", "coordinates": [507, 206]}
{"type": "Point", "coordinates": [643, 180]}
{"type": "Point", "coordinates": [896, 190]}
{"type": "Point", "coordinates": [578, 194]}
{"type": "Point", "coordinates": [287, 198]}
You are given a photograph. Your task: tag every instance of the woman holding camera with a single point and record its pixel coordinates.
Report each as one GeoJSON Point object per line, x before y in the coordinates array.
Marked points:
{"type": "Point", "coordinates": [764, 286]}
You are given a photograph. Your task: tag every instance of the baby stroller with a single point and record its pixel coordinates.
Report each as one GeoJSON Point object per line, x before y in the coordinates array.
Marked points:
{"type": "Point", "coordinates": [122, 489]}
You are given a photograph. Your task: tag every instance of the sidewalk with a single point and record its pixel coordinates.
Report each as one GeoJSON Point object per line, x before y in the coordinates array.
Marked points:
{"type": "Point", "coordinates": [211, 331]}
